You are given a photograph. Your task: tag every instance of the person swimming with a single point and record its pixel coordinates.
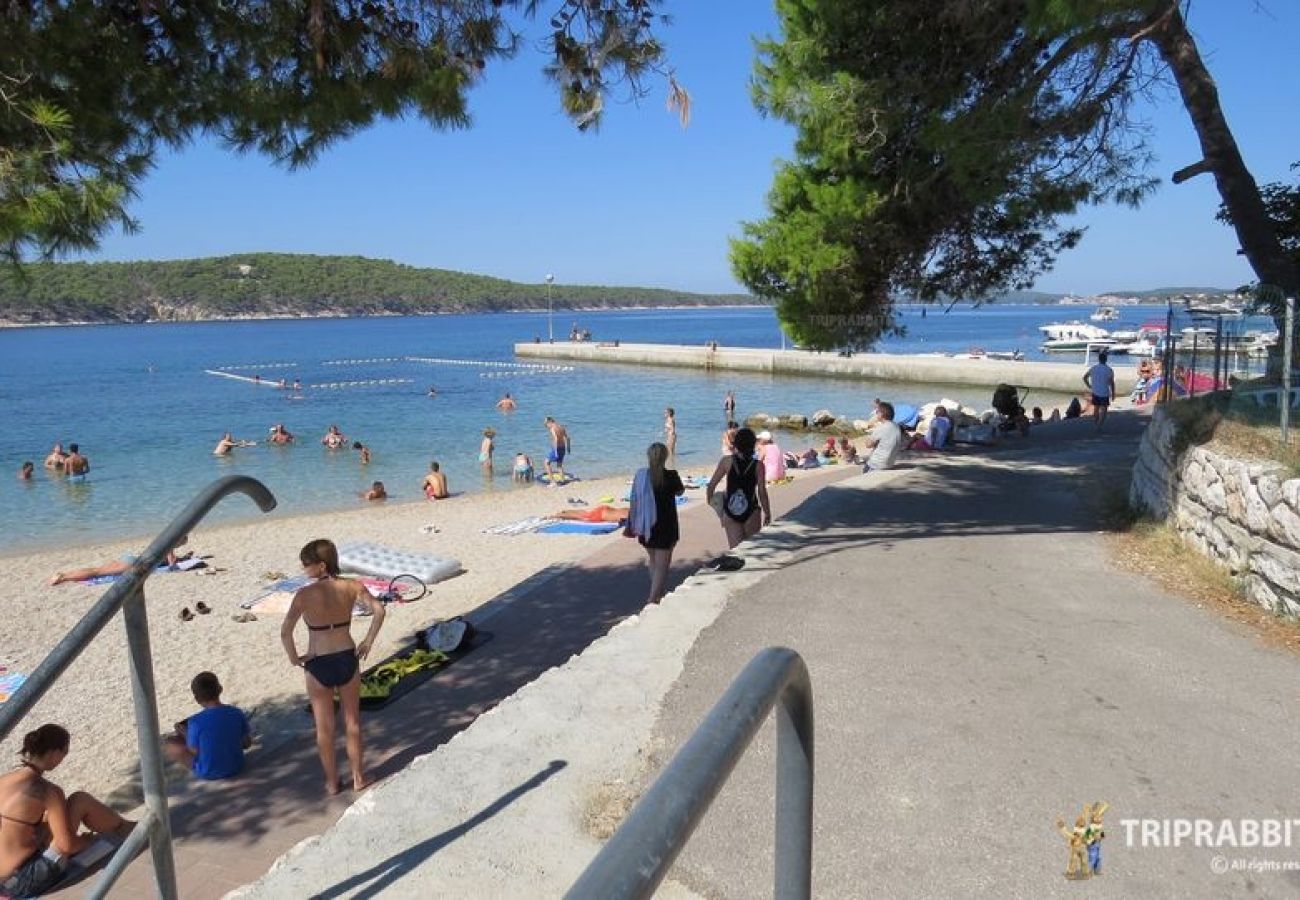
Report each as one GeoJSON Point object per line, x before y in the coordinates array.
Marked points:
{"type": "Point", "coordinates": [523, 468]}
{"type": "Point", "coordinates": [506, 403]}
{"type": "Point", "coordinates": [25, 473]}
{"type": "Point", "coordinates": [334, 439]}
{"type": "Point", "coordinates": [376, 492]}
{"type": "Point", "coordinates": [76, 465]}
{"type": "Point", "coordinates": [435, 483]}
{"type": "Point", "coordinates": [56, 459]}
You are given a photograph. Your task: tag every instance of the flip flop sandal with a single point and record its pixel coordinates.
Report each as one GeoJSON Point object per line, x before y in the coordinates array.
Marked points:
{"type": "Point", "coordinates": [202, 608]}
{"type": "Point", "coordinates": [244, 617]}
{"type": "Point", "coordinates": [186, 615]}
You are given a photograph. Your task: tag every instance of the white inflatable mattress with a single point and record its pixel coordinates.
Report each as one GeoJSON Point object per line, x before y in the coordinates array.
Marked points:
{"type": "Point", "coordinates": [366, 558]}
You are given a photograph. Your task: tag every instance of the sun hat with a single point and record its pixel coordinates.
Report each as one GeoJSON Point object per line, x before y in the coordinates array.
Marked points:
{"type": "Point", "coordinates": [489, 432]}
{"type": "Point", "coordinates": [765, 435]}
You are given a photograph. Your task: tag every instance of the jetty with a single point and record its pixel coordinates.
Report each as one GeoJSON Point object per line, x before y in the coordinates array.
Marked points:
{"type": "Point", "coordinates": [917, 368]}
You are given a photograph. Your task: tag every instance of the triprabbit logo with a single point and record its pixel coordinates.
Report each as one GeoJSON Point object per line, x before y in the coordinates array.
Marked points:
{"type": "Point", "coordinates": [1084, 841]}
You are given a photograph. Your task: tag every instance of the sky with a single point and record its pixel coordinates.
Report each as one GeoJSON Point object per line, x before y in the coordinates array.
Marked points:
{"type": "Point", "coordinates": [522, 194]}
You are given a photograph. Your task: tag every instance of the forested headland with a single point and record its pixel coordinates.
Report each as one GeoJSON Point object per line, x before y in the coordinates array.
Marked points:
{"type": "Point", "coordinates": [286, 285]}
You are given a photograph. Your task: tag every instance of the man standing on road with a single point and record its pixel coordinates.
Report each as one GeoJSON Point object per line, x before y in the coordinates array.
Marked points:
{"type": "Point", "coordinates": [559, 449]}
{"type": "Point", "coordinates": [1100, 380]}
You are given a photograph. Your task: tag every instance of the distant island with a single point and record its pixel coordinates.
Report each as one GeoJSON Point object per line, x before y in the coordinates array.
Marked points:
{"type": "Point", "coordinates": [279, 285]}
{"type": "Point", "coordinates": [285, 285]}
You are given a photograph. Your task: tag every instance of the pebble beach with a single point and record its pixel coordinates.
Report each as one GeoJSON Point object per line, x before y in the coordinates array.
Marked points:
{"type": "Point", "coordinates": [93, 698]}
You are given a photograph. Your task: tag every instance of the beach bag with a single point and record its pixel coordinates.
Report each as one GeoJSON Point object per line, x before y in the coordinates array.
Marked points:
{"type": "Point", "coordinates": [738, 504]}
{"type": "Point", "coordinates": [446, 637]}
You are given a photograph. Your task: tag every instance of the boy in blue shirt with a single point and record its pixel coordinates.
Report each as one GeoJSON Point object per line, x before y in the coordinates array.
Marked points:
{"type": "Point", "coordinates": [211, 743]}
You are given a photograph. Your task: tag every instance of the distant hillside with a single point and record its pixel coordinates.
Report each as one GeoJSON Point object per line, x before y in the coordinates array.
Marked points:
{"type": "Point", "coordinates": [1161, 293]}
{"type": "Point", "coordinates": [272, 284]}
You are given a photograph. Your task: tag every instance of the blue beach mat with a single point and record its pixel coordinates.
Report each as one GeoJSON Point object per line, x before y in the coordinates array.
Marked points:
{"type": "Point", "coordinates": [579, 528]}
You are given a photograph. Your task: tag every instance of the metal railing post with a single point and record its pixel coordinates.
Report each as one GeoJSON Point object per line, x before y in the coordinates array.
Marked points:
{"type": "Point", "coordinates": [794, 793]}
{"type": "Point", "coordinates": [1287, 348]}
{"type": "Point", "coordinates": [136, 620]}
{"type": "Point", "coordinates": [639, 855]}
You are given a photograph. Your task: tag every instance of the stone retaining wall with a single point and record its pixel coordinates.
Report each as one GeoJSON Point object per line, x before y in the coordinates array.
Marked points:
{"type": "Point", "coordinates": [1243, 514]}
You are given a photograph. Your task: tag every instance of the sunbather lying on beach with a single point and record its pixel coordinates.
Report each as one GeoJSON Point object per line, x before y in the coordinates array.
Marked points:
{"type": "Point", "coordinates": [116, 567]}
{"type": "Point", "coordinates": [600, 513]}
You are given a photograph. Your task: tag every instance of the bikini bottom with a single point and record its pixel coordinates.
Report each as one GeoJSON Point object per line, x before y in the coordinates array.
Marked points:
{"type": "Point", "coordinates": [333, 669]}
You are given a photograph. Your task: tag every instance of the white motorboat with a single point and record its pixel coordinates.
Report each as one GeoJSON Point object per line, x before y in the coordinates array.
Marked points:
{"type": "Point", "coordinates": [1105, 314]}
{"type": "Point", "coordinates": [1226, 308]}
{"type": "Point", "coordinates": [1074, 337]}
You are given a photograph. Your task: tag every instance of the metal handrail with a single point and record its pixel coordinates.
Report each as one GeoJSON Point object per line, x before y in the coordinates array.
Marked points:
{"type": "Point", "coordinates": [640, 853]}
{"type": "Point", "coordinates": [127, 595]}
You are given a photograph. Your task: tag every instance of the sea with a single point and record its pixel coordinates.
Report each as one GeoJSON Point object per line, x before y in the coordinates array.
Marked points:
{"type": "Point", "coordinates": [145, 408]}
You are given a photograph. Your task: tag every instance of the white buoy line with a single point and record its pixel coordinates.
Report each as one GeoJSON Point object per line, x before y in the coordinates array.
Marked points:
{"type": "Point", "coordinates": [358, 362]}
{"type": "Point", "coordinates": [546, 370]}
{"type": "Point", "coordinates": [250, 368]}
{"type": "Point", "coordinates": [250, 379]}
{"type": "Point", "coordinates": [350, 384]}
{"type": "Point", "coordinates": [489, 363]}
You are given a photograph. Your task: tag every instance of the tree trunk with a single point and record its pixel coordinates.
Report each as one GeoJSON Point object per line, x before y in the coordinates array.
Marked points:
{"type": "Point", "coordinates": [1222, 158]}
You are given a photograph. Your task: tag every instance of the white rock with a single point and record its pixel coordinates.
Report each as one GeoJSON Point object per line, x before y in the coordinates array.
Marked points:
{"type": "Point", "coordinates": [1269, 489]}
{"type": "Point", "coordinates": [1286, 526]}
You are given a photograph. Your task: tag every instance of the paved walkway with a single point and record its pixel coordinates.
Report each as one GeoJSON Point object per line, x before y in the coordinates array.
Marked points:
{"type": "Point", "coordinates": [980, 669]}
{"type": "Point", "coordinates": [230, 833]}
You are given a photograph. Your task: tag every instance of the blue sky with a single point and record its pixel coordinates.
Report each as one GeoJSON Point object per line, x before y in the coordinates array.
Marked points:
{"type": "Point", "coordinates": [644, 202]}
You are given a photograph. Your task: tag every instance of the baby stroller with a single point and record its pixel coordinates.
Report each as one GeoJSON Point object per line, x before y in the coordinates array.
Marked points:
{"type": "Point", "coordinates": [1006, 400]}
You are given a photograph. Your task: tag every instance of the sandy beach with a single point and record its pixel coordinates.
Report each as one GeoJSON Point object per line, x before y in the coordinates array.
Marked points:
{"type": "Point", "coordinates": [93, 699]}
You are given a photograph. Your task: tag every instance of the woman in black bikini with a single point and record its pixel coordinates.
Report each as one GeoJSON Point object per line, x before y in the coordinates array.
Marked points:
{"type": "Point", "coordinates": [745, 492]}
{"type": "Point", "coordinates": [38, 825]}
{"type": "Point", "coordinates": [332, 660]}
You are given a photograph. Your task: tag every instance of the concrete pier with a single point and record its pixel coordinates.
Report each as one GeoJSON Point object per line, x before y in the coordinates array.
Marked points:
{"type": "Point", "coordinates": [1047, 376]}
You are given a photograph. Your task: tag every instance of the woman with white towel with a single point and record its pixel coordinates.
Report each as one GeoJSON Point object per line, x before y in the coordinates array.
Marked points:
{"type": "Point", "coordinates": [653, 515]}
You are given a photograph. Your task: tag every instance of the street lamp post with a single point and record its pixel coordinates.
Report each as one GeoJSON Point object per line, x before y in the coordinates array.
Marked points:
{"type": "Point", "coordinates": [550, 319]}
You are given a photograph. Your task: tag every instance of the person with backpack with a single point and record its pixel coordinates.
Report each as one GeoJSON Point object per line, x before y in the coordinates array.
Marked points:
{"type": "Point", "coordinates": [652, 516]}
{"type": "Point", "coordinates": [744, 508]}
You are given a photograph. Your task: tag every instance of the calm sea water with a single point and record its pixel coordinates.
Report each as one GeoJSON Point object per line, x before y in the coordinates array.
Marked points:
{"type": "Point", "coordinates": [138, 401]}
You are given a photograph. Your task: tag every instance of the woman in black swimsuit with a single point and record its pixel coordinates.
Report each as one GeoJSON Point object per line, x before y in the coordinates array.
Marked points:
{"type": "Point", "coordinates": [745, 491]}
{"type": "Point", "coordinates": [666, 485]}
{"type": "Point", "coordinates": [38, 825]}
{"type": "Point", "coordinates": [332, 660]}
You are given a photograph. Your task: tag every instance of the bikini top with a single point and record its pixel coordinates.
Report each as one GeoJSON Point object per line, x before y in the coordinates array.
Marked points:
{"type": "Point", "coordinates": [311, 627]}
{"type": "Point", "coordinates": [24, 821]}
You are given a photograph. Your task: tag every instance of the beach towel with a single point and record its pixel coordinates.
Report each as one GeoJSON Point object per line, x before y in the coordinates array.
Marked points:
{"type": "Point", "coordinates": [10, 683]}
{"type": "Point", "coordinates": [277, 597]}
{"type": "Point", "coordinates": [578, 528]}
{"type": "Point", "coordinates": [183, 565]}
{"type": "Point", "coordinates": [906, 415]}
{"type": "Point", "coordinates": [642, 517]}
{"type": "Point", "coordinates": [413, 668]}
{"type": "Point", "coordinates": [523, 526]}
